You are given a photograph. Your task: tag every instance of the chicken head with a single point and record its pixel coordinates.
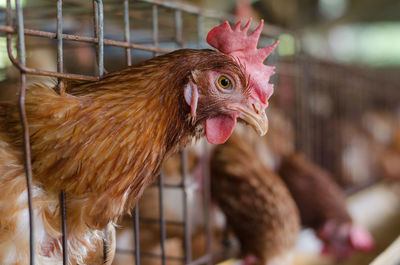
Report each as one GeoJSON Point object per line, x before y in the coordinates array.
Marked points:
{"type": "Point", "coordinates": [239, 91]}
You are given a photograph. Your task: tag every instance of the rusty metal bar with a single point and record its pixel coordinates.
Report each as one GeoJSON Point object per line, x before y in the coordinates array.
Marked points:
{"type": "Point", "coordinates": [162, 220]}
{"type": "Point", "coordinates": [100, 31]}
{"type": "Point", "coordinates": [71, 37]}
{"type": "Point", "coordinates": [60, 69]}
{"type": "Point", "coordinates": [64, 228]}
{"type": "Point", "coordinates": [32, 71]}
{"type": "Point", "coordinates": [155, 27]}
{"type": "Point", "coordinates": [127, 32]}
{"type": "Point", "coordinates": [23, 118]}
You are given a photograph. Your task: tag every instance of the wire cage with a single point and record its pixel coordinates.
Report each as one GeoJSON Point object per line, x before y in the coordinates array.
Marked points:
{"type": "Point", "coordinates": [114, 34]}
{"type": "Point", "coordinates": [105, 35]}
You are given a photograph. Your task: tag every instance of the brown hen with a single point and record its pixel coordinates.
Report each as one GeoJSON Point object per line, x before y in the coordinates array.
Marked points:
{"type": "Point", "coordinates": [322, 206]}
{"type": "Point", "coordinates": [103, 143]}
{"type": "Point", "coordinates": [257, 205]}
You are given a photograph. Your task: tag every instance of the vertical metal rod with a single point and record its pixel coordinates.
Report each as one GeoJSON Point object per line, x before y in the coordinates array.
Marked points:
{"type": "Point", "coordinates": [100, 29]}
{"type": "Point", "coordinates": [187, 235]}
{"type": "Point", "coordinates": [60, 60]}
{"type": "Point", "coordinates": [60, 69]}
{"type": "Point", "coordinates": [207, 200]}
{"type": "Point", "coordinates": [162, 219]}
{"type": "Point", "coordinates": [127, 32]}
{"type": "Point", "coordinates": [21, 37]}
{"type": "Point", "coordinates": [155, 27]}
{"type": "Point", "coordinates": [24, 122]}
{"type": "Point", "coordinates": [64, 227]}
{"type": "Point", "coordinates": [137, 235]}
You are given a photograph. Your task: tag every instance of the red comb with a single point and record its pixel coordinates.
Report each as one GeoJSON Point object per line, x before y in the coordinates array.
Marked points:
{"type": "Point", "coordinates": [236, 43]}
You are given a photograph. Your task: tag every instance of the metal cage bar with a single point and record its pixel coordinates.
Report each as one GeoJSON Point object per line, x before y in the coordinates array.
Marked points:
{"type": "Point", "coordinates": [64, 227]}
{"type": "Point", "coordinates": [127, 33]}
{"type": "Point", "coordinates": [136, 234]}
{"type": "Point", "coordinates": [162, 220]}
{"type": "Point", "coordinates": [60, 69]}
{"type": "Point", "coordinates": [99, 31]}
{"type": "Point", "coordinates": [23, 117]}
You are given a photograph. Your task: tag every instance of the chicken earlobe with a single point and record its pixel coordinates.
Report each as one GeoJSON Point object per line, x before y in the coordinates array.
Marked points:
{"type": "Point", "coordinates": [191, 97]}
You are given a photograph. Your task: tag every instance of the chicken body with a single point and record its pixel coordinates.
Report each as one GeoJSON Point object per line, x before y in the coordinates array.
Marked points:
{"type": "Point", "coordinates": [322, 206]}
{"type": "Point", "coordinates": [258, 206]}
{"type": "Point", "coordinates": [103, 143]}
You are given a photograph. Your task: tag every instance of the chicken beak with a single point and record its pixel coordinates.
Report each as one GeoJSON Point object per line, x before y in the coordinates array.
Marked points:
{"type": "Point", "coordinates": [253, 115]}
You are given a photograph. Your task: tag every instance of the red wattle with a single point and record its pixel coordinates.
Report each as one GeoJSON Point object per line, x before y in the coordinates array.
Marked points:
{"type": "Point", "coordinates": [218, 129]}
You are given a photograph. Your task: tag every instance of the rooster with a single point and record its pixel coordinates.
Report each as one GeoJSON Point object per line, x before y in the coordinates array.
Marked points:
{"type": "Point", "coordinates": [103, 142]}
{"type": "Point", "coordinates": [322, 207]}
{"type": "Point", "coordinates": [258, 206]}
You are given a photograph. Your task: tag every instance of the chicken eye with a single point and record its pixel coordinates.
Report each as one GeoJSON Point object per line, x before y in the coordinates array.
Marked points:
{"type": "Point", "coordinates": [224, 82]}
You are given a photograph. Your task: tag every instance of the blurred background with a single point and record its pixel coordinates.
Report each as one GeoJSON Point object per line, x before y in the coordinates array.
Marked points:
{"type": "Point", "coordinates": [336, 102]}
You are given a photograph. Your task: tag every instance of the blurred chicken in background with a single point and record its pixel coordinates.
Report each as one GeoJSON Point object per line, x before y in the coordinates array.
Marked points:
{"type": "Point", "coordinates": [257, 205]}
{"type": "Point", "coordinates": [322, 207]}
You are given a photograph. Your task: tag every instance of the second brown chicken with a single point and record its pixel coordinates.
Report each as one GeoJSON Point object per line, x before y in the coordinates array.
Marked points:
{"type": "Point", "coordinates": [257, 205]}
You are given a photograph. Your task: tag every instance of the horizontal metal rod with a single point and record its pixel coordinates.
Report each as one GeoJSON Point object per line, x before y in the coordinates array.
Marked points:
{"type": "Point", "coordinates": [169, 186]}
{"type": "Point", "coordinates": [32, 71]}
{"type": "Point", "coordinates": [28, 70]}
{"type": "Point", "coordinates": [51, 35]}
